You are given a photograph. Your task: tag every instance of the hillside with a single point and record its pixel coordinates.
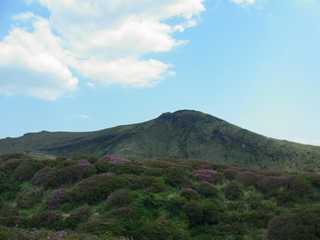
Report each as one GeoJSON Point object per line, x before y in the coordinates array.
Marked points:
{"type": "Point", "coordinates": [182, 134]}
{"type": "Point", "coordinates": [166, 199]}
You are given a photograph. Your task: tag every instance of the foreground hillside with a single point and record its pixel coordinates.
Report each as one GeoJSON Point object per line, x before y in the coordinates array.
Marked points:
{"type": "Point", "coordinates": [182, 134]}
{"type": "Point", "coordinates": [164, 199]}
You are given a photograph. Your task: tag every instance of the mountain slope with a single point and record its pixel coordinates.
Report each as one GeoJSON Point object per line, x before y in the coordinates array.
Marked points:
{"type": "Point", "coordinates": [182, 134]}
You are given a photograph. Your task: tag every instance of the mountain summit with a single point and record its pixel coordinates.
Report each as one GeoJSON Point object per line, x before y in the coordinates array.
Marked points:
{"type": "Point", "coordinates": [183, 134]}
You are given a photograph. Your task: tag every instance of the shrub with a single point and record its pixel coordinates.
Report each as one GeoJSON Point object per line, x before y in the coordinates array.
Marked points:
{"type": "Point", "coordinates": [119, 198]}
{"type": "Point", "coordinates": [124, 213]}
{"type": "Point", "coordinates": [207, 190]}
{"type": "Point", "coordinates": [10, 165]}
{"type": "Point", "coordinates": [103, 167]}
{"type": "Point", "coordinates": [248, 178]}
{"type": "Point", "coordinates": [298, 187]}
{"type": "Point", "coordinates": [14, 155]}
{"type": "Point", "coordinates": [129, 168]}
{"type": "Point", "coordinates": [295, 224]}
{"type": "Point", "coordinates": [101, 226]}
{"type": "Point", "coordinates": [151, 184]}
{"type": "Point", "coordinates": [230, 173]}
{"type": "Point", "coordinates": [207, 175]}
{"type": "Point", "coordinates": [26, 201]}
{"type": "Point", "coordinates": [160, 230]}
{"type": "Point", "coordinates": [158, 164]}
{"type": "Point", "coordinates": [189, 194]}
{"type": "Point", "coordinates": [79, 215]}
{"type": "Point", "coordinates": [152, 172]}
{"type": "Point", "coordinates": [272, 182]}
{"type": "Point", "coordinates": [27, 169]}
{"type": "Point", "coordinates": [177, 177]}
{"type": "Point", "coordinates": [113, 159]}
{"type": "Point", "coordinates": [211, 213]}
{"type": "Point", "coordinates": [56, 198]}
{"type": "Point", "coordinates": [194, 211]}
{"type": "Point", "coordinates": [98, 187]}
{"type": "Point", "coordinates": [66, 163]}
{"type": "Point", "coordinates": [233, 190]}
{"type": "Point", "coordinates": [48, 219]}
{"type": "Point", "coordinates": [56, 177]}
{"type": "Point", "coordinates": [44, 178]}
{"type": "Point", "coordinates": [175, 204]}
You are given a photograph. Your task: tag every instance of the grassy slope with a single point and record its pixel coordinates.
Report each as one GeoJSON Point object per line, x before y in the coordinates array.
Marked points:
{"type": "Point", "coordinates": [183, 134]}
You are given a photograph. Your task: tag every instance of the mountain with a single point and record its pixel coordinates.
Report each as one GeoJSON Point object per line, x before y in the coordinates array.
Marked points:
{"type": "Point", "coordinates": [184, 134]}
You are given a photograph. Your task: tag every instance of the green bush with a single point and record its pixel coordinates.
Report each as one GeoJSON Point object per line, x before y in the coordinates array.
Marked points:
{"type": "Point", "coordinates": [102, 226]}
{"type": "Point", "coordinates": [194, 211]}
{"type": "Point", "coordinates": [99, 187]}
{"type": "Point", "coordinates": [248, 179]}
{"type": "Point", "coordinates": [150, 184]}
{"type": "Point", "coordinates": [48, 219]}
{"type": "Point", "coordinates": [190, 194]}
{"type": "Point", "coordinates": [160, 230]}
{"type": "Point", "coordinates": [233, 190]}
{"type": "Point", "coordinates": [230, 173]}
{"type": "Point", "coordinates": [80, 215]}
{"type": "Point", "coordinates": [129, 168]}
{"type": "Point", "coordinates": [119, 198]}
{"type": "Point", "coordinates": [27, 169]}
{"type": "Point", "coordinates": [295, 224]}
{"type": "Point", "coordinates": [207, 190]}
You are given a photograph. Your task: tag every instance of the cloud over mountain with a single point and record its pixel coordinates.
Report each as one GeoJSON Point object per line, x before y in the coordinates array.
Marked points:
{"type": "Point", "coordinates": [102, 40]}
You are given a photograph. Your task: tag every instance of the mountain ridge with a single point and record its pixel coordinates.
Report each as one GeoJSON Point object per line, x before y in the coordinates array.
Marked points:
{"type": "Point", "coordinates": [185, 134]}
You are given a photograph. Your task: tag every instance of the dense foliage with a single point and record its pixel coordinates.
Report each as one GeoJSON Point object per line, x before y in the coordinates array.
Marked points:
{"type": "Point", "coordinates": [165, 199]}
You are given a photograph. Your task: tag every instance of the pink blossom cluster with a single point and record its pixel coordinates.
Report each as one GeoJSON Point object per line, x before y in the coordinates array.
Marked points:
{"type": "Point", "coordinates": [85, 165]}
{"type": "Point", "coordinates": [190, 189]}
{"type": "Point", "coordinates": [55, 198]}
{"type": "Point", "coordinates": [10, 165]}
{"type": "Point", "coordinates": [115, 160]}
{"type": "Point", "coordinates": [206, 175]}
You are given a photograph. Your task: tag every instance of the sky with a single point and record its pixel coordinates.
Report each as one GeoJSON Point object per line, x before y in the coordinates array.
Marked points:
{"type": "Point", "coordinates": [79, 65]}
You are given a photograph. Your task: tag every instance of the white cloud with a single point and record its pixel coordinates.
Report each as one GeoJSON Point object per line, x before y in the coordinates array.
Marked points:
{"type": "Point", "coordinates": [243, 1]}
{"type": "Point", "coordinates": [31, 64]}
{"type": "Point", "coordinates": [102, 40]}
{"type": "Point", "coordinates": [84, 116]}
{"type": "Point", "coordinates": [307, 141]}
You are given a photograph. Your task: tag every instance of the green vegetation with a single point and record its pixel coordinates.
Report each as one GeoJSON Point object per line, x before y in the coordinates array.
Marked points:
{"type": "Point", "coordinates": [116, 198]}
{"type": "Point", "coordinates": [183, 134]}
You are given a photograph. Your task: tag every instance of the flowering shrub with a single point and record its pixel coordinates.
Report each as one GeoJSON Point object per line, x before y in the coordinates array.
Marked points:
{"type": "Point", "coordinates": [56, 177]}
{"type": "Point", "coordinates": [207, 175]}
{"type": "Point", "coordinates": [113, 159]}
{"type": "Point", "coordinates": [56, 198]}
{"type": "Point", "coordinates": [10, 165]}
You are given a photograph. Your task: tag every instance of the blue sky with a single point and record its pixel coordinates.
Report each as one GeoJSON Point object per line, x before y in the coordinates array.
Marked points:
{"type": "Point", "coordinates": [77, 65]}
